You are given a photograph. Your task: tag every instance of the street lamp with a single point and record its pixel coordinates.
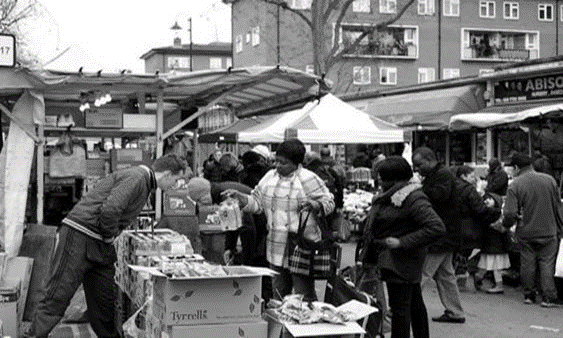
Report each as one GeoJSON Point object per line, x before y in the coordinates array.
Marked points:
{"type": "Point", "coordinates": [177, 30]}
{"type": "Point", "coordinates": [191, 43]}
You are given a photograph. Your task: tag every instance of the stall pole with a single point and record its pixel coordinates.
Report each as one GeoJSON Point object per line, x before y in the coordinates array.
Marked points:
{"type": "Point", "coordinates": [530, 150]}
{"type": "Point", "coordinates": [40, 174]}
{"type": "Point", "coordinates": [474, 147]}
{"type": "Point", "coordinates": [447, 148]}
{"type": "Point", "coordinates": [159, 145]}
{"type": "Point", "coordinates": [490, 145]}
{"type": "Point", "coordinates": [196, 153]}
{"type": "Point", "coordinates": [141, 101]}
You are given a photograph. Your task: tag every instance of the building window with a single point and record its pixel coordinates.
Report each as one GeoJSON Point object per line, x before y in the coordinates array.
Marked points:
{"type": "Point", "coordinates": [392, 42]}
{"type": "Point", "coordinates": [499, 45]}
{"type": "Point", "coordinates": [561, 13]}
{"type": "Point", "coordinates": [485, 71]}
{"type": "Point", "coordinates": [247, 37]}
{"type": "Point", "coordinates": [511, 10]}
{"type": "Point", "coordinates": [229, 62]}
{"type": "Point", "coordinates": [300, 4]}
{"type": "Point", "coordinates": [451, 7]}
{"type": "Point", "coordinates": [362, 75]}
{"type": "Point", "coordinates": [178, 62]}
{"type": "Point", "coordinates": [238, 44]}
{"type": "Point", "coordinates": [426, 75]}
{"type": "Point", "coordinates": [215, 63]}
{"type": "Point", "coordinates": [256, 36]}
{"type": "Point", "coordinates": [388, 75]}
{"type": "Point", "coordinates": [450, 73]}
{"type": "Point", "coordinates": [388, 6]}
{"type": "Point", "coordinates": [487, 9]}
{"type": "Point", "coordinates": [362, 6]}
{"type": "Point", "coordinates": [425, 7]}
{"type": "Point", "coordinates": [310, 69]}
{"type": "Point", "coordinates": [545, 12]}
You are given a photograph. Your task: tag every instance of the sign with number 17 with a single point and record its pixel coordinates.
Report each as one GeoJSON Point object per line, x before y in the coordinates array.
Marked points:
{"type": "Point", "coordinates": [7, 50]}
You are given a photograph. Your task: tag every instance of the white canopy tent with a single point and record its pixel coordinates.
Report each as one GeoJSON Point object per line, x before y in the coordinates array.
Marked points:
{"type": "Point", "coordinates": [327, 120]}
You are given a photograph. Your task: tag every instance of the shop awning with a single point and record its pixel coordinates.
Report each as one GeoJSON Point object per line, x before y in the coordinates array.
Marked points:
{"type": "Point", "coordinates": [490, 117]}
{"type": "Point", "coordinates": [229, 133]}
{"type": "Point", "coordinates": [430, 109]}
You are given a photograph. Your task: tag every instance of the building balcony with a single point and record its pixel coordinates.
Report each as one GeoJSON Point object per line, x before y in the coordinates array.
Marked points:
{"type": "Point", "coordinates": [493, 54]}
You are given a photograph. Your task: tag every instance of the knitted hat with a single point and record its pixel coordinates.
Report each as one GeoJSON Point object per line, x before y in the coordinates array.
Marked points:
{"type": "Point", "coordinates": [261, 150]}
{"type": "Point", "coordinates": [199, 190]}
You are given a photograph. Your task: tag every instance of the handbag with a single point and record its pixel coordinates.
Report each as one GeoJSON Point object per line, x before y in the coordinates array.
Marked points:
{"type": "Point", "coordinates": [311, 258]}
{"type": "Point", "coordinates": [68, 158]}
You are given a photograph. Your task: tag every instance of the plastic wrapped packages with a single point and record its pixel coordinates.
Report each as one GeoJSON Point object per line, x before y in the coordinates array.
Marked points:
{"type": "Point", "coordinates": [230, 216]}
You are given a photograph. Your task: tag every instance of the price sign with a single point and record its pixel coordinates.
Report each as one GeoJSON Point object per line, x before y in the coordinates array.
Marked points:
{"type": "Point", "coordinates": [7, 50]}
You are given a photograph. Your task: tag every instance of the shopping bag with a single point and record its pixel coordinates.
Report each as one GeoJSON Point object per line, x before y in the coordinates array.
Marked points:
{"type": "Point", "coordinates": [559, 261]}
{"type": "Point", "coordinates": [343, 227]}
{"type": "Point", "coordinates": [308, 257]}
{"type": "Point", "coordinates": [68, 158]}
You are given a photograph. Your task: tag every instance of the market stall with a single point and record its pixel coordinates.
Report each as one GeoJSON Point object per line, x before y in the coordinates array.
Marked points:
{"type": "Point", "coordinates": [114, 106]}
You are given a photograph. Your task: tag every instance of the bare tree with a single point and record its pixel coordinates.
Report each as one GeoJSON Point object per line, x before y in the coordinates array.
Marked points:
{"type": "Point", "coordinates": [325, 22]}
{"type": "Point", "coordinates": [19, 18]}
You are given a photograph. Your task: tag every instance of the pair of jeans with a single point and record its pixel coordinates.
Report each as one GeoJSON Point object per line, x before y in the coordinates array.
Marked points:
{"type": "Point", "coordinates": [79, 259]}
{"type": "Point", "coordinates": [541, 252]}
{"type": "Point", "coordinates": [408, 309]}
{"type": "Point", "coordinates": [285, 282]}
{"type": "Point", "coordinates": [439, 267]}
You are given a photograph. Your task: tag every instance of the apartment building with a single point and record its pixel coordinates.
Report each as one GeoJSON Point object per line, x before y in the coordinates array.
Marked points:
{"type": "Point", "coordinates": [185, 58]}
{"type": "Point", "coordinates": [433, 40]}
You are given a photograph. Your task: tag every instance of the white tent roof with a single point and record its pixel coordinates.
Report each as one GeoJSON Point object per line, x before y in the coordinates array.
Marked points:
{"type": "Point", "coordinates": [328, 120]}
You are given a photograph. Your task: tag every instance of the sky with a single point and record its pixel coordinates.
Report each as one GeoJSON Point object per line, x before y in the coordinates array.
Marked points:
{"type": "Point", "coordinates": [113, 34]}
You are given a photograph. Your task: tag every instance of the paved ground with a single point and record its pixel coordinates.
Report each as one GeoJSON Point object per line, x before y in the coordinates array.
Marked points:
{"type": "Point", "coordinates": [494, 316]}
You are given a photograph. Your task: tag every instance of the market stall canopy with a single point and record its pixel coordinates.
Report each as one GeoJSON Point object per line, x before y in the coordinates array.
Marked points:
{"type": "Point", "coordinates": [229, 133]}
{"type": "Point", "coordinates": [429, 109]}
{"type": "Point", "coordinates": [328, 120]}
{"type": "Point", "coordinates": [489, 118]}
{"type": "Point", "coordinates": [244, 90]}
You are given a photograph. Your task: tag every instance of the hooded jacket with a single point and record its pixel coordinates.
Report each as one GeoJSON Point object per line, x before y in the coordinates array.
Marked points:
{"type": "Point", "coordinates": [403, 212]}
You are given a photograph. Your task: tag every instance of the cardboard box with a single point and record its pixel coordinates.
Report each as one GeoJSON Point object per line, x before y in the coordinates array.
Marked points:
{"type": "Point", "coordinates": [178, 203]}
{"type": "Point", "coordinates": [242, 330]}
{"type": "Point", "coordinates": [125, 158]}
{"type": "Point", "coordinates": [234, 298]}
{"type": "Point", "coordinates": [9, 309]}
{"type": "Point", "coordinates": [19, 270]}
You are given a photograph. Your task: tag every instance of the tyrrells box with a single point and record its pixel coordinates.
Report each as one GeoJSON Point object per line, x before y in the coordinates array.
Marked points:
{"type": "Point", "coordinates": [234, 298]}
{"type": "Point", "coordinates": [155, 329]}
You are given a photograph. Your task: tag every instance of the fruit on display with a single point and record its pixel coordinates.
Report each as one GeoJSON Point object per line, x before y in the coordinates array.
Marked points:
{"type": "Point", "coordinates": [296, 311]}
{"type": "Point", "coordinates": [357, 204]}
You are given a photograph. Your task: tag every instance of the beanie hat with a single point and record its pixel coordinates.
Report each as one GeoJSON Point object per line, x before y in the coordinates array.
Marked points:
{"type": "Point", "coordinates": [261, 150]}
{"type": "Point", "coordinates": [293, 150]}
{"type": "Point", "coordinates": [199, 190]}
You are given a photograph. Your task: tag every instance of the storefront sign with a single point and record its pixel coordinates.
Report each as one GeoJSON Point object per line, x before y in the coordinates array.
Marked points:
{"type": "Point", "coordinates": [7, 50]}
{"type": "Point", "coordinates": [104, 118]}
{"type": "Point", "coordinates": [529, 89]}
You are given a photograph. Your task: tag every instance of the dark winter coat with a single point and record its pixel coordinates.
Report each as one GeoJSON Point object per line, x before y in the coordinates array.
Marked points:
{"type": "Point", "coordinates": [113, 203]}
{"type": "Point", "coordinates": [212, 170]}
{"type": "Point", "coordinates": [439, 186]}
{"type": "Point", "coordinates": [253, 173]}
{"type": "Point", "coordinates": [403, 212]}
{"type": "Point", "coordinates": [497, 182]}
{"type": "Point", "coordinates": [474, 216]}
{"type": "Point", "coordinates": [493, 241]}
{"type": "Point", "coordinates": [331, 179]}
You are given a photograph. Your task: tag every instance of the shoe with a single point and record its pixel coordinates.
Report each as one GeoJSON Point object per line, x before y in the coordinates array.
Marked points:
{"type": "Point", "coordinates": [548, 303]}
{"type": "Point", "coordinates": [448, 318]}
{"type": "Point", "coordinates": [495, 290]}
{"type": "Point", "coordinates": [529, 298]}
{"type": "Point", "coordinates": [477, 283]}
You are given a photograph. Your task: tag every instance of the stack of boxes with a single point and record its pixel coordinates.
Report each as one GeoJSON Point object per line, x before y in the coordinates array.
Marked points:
{"type": "Point", "coordinates": [215, 306]}
{"type": "Point", "coordinates": [147, 248]}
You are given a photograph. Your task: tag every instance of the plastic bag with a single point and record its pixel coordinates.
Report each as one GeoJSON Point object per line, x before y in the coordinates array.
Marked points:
{"type": "Point", "coordinates": [559, 261]}
{"type": "Point", "coordinates": [68, 159]}
{"type": "Point", "coordinates": [135, 326]}
{"type": "Point", "coordinates": [230, 216]}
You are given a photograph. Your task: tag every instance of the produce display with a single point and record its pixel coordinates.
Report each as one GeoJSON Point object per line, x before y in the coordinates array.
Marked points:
{"type": "Point", "coordinates": [356, 205]}
{"type": "Point", "coordinates": [296, 311]}
{"type": "Point", "coordinates": [194, 269]}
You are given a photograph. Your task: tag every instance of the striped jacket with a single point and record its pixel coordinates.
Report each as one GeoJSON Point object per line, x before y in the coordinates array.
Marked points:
{"type": "Point", "coordinates": [113, 203]}
{"type": "Point", "coordinates": [280, 198]}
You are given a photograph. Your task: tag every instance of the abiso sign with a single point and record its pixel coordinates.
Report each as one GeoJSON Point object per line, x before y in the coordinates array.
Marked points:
{"type": "Point", "coordinates": [529, 89]}
{"type": "Point", "coordinates": [7, 50]}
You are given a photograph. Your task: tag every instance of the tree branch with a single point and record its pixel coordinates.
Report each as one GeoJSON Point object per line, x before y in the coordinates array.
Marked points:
{"type": "Point", "coordinates": [282, 4]}
{"type": "Point", "coordinates": [331, 7]}
{"type": "Point", "coordinates": [335, 55]}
